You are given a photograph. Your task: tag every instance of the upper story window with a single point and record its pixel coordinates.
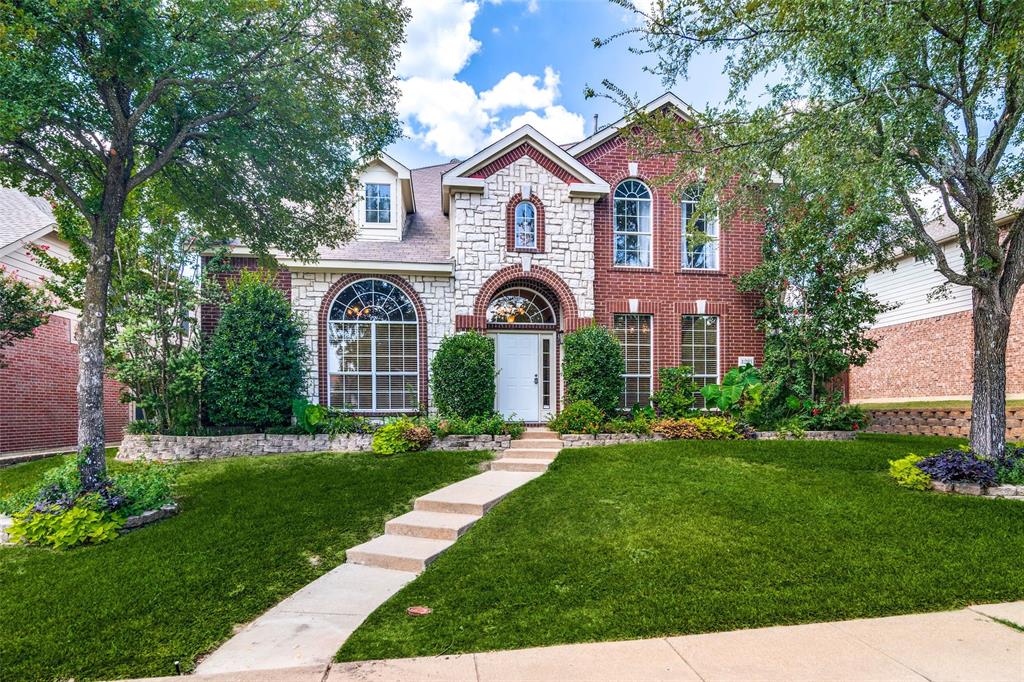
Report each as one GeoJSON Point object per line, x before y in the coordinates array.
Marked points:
{"type": "Point", "coordinates": [526, 225]}
{"type": "Point", "coordinates": [632, 228]}
{"type": "Point", "coordinates": [700, 233]}
{"type": "Point", "coordinates": [378, 202]}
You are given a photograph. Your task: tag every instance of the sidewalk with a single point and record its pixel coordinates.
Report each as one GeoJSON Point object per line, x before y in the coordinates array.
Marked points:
{"type": "Point", "coordinates": [954, 645]}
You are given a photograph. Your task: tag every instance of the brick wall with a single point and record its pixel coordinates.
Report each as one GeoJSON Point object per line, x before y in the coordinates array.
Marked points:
{"type": "Point", "coordinates": [210, 314]}
{"type": "Point", "coordinates": [665, 290]}
{"type": "Point", "coordinates": [932, 358]}
{"type": "Point", "coordinates": [38, 401]}
{"type": "Point", "coordinates": [938, 423]}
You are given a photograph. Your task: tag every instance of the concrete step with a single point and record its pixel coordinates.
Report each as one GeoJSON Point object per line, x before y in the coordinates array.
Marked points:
{"type": "Point", "coordinates": [398, 552]}
{"type": "Point", "coordinates": [430, 525]}
{"type": "Point", "coordinates": [474, 495]}
{"type": "Point", "coordinates": [530, 454]}
{"type": "Point", "coordinates": [531, 434]}
{"type": "Point", "coordinates": [520, 464]}
{"type": "Point", "coordinates": [535, 443]}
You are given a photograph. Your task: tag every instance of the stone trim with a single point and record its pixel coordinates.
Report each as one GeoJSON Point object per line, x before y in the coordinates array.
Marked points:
{"type": "Point", "coordinates": [510, 224]}
{"type": "Point", "coordinates": [188, 448]}
{"type": "Point", "coordinates": [1010, 492]}
{"type": "Point", "coordinates": [526, 149]}
{"type": "Point", "coordinates": [148, 517]}
{"type": "Point", "coordinates": [421, 318]}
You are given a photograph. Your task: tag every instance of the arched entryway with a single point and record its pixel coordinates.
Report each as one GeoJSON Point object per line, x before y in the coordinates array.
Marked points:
{"type": "Point", "coordinates": [523, 319]}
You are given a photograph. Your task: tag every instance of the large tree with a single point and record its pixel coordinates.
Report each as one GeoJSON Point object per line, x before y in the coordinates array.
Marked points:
{"type": "Point", "coordinates": [255, 115]}
{"type": "Point", "coordinates": [898, 104]}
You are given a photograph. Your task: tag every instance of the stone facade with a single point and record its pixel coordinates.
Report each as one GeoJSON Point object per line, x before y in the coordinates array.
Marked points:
{"type": "Point", "coordinates": [938, 422]}
{"type": "Point", "coordinates": [186, 448]}
{"type": "Point", "coordinates": [480, 229]}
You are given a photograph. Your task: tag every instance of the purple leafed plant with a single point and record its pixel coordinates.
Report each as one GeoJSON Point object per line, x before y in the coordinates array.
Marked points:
{"type": "Point", "coordinates": [956, 465]}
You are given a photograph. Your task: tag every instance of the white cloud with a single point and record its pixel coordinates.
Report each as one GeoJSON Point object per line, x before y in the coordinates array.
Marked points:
{"type": "Point", "coordinates": [448, 115]}
{"type": "Point", "coordinates": [532, 6]}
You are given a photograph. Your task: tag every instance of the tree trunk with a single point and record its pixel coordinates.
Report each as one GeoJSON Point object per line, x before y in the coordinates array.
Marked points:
{"type": "Point", "coordinates": [92, 331]}
{"type": "Point", "coordinates": [988, 404]}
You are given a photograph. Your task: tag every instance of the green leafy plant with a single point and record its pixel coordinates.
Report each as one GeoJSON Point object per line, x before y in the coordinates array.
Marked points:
{"type": "Point", "coordinates": [793, 427]}
{"type": "Point", "coordinates": [256, 357]}
{"type": "Point", "coordinates": [22, 309]}
{"type": "Point", "coordinates": [61, 528]}
{"type": "Point", "coordinates": [638, 426]}
{"type": "Point", "coordinates": [581, 416]}
{"type": "Point", "coordinates": [492, 425]}
{"type": "Point", "coordinates": [676, 393]}
{"type": "Point", "coordinates": [907, 474]}
{"type": "Point", "coordinates": [739, 394]}
{"type": "Point", "coordinates": [141, 427]}
{"type": "Point", "coordinates": [144, 487]}
{"type": "Point", "coordinates": [462, 376]}
{"type": "Point", "coordinates": [592, 366]}
{"type": "Point", "coordinates": [399, 436]}
{"type": "Point", "coordinates": [309, 417]}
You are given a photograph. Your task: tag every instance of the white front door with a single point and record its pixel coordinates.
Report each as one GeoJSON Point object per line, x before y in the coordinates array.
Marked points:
{"type": "Point", "coordinates": [518, 364]}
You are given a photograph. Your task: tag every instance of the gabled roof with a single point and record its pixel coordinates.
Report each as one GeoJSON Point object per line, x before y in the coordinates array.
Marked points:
{"type": "Point", "coordinates": [581, 180]}
{"type": "Point", "coordinates": [610, 131]}
{"type": "Point", "coordinates": [23, 218]}
{"type": "Point", "coordinates": [404, 178]}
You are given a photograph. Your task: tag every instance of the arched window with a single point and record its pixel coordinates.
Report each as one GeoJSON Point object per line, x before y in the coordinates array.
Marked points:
{"type": "Point", "coordinates": [700, 232]}
{"type": "Point", "coordinates": [519, 305]}
{"type": "Point", "coordinates": [632, 227]}
{"type": "Point", "coordinates": [526, 225]}
{"type": "Point", "coordinates": [373, 349]}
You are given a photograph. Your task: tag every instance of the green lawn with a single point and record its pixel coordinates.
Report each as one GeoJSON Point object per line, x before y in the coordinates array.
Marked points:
{"type": "Point", "coordinates": [251, 531]}
{"type": "Point", "coordinates": [684, 537]}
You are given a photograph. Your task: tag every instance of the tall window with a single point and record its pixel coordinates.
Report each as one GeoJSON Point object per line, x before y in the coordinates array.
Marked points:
{"type": "Point", "coordinates": [634, 333]}
{"type": "Point", "coordinates": [700, 233]}
{"type": "Point", "coordinates": [378, 202]}
{"type": "Point", "coordinates": [700, 349]}
{"type": "Point", "coordinates": [526, 225]}
{"type": "Point", "coordinates": [632, 224]}
{"type": "Point", "coordinates": [373, 349]}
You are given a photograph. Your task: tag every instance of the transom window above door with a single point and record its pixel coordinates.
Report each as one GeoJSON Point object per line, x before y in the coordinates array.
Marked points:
{"type": "Point", "coordinates": [526, 225]}
{"type": "Point", "coordinates": [632, 224]}
{"type": "Point", "coordinates": [520, 305]}
{"type": "Point", "coordinates": [378, 202]}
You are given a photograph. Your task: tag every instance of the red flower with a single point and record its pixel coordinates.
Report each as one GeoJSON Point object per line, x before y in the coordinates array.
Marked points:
{"type": "Point", "coordinates": [856, 426]}
{"type": "Point", "coordinates": [816, 411]}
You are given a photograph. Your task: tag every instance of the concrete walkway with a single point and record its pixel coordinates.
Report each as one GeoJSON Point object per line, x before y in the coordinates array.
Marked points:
{"type": "Point", "coordinates": [972, 644]}
{"type": "Point", "coordinates": [305, 630]}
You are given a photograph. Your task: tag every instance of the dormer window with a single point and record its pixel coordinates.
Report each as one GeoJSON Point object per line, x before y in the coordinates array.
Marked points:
{"type": "Point", "coordinates": [526, 225]}
{"type": "Point", "coordinates": [378, 203]}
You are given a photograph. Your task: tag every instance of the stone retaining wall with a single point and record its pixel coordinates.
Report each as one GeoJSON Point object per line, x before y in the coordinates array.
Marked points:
{"type": "Point", "coordinates": [181, 448]}
{"type": "Point", "coordinates": [938, 422]}
{"type": "Point", "coordinates": [1010, 492]}
{"type": "Point", "coordinates": [586, 440]}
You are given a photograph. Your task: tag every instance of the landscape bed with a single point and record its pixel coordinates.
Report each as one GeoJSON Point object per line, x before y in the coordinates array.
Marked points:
{"type": "Point", "coordinates": [679, 537]}
{"type": "Point", "coordinates": [250, 531]}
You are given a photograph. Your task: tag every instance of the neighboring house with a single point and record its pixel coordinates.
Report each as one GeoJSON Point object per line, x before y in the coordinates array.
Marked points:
{"type": "Point", "coordinates": [926, 343]}
{"type": "Point", "coordinates": [525, 241]}
{"type": "Point", "coordinates": [38, 403]}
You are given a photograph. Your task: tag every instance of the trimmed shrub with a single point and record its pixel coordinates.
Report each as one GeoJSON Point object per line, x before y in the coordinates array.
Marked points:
{"type": "Point", "coordinates": [580, 417]}
{"type": "Point", "coordinates": [400, 436]}
{"type": "Point", "coordinates": [907, 474]}
{"type": "Point", "coordinates": [593, 366]}
{"type": "Point", "coordinates": [255, 359]}
{"type": "Point", "coordinates": [677, 393]}
{"type": "Point", "coordinates": [462, 376]}
{"type": "Point", "coordinates": [490, 425]}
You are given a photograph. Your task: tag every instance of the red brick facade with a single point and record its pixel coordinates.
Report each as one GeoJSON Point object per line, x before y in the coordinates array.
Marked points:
{"type": "Point", "coordinates": [526, 149]}
{"type": "Point", "coordinates": [38, 399]}
{"type": "Point", "coordinates": [667, 291]}
{"type": "Point", "coordinates": [932, 358]}
{"type": "Point", "coordinates": [210, 314]}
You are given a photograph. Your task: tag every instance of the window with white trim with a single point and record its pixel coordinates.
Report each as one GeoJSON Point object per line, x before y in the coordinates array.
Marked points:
{"type": "Point", "coordinates": [700, 350]}
{"type": "Point", "coordinates": [700, 232]}
{"type": "Point", "coordinates": [378, 202]}
{"type": "Point", "coordinates": [634, 334]}
{"type": "Point", "coordinates": [526, 225]}
{"type": "Point", "coordinates": [373, 349]}
{"type": "Point", "coordinates": [632, 224]}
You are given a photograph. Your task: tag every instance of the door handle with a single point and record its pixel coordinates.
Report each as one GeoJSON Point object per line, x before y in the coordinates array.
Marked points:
{"type": "Point", "coordinates": [534, 378]}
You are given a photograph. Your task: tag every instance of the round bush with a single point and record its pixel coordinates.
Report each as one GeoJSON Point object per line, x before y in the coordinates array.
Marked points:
{"type": "Point", "coordinates": [255, 359]}
{"type": "Point", "coordinates": [580, 417]}
{"type": "Point", "coordinates": [593, 367]}
{"type": "Point", "coordinates": [462, 376]}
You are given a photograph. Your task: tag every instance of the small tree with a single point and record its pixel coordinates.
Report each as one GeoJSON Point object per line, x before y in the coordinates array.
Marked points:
{"type": "Point", "coordinates": [462, 376]}
{"type": "Point", "coordinates": [22, 309]}
{"type": "Point", "coordinates": [255, 363]}
{"type": "Point", "coordinates": [593, 368]}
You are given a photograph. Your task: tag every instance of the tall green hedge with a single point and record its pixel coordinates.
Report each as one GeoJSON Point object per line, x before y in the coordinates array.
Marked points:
{"type": "Point", "coordinates": [255, 361]}
{"type": "Point", "coordinates": [593, 367]}
{"type": "Point", "coordinates": [462, 376]}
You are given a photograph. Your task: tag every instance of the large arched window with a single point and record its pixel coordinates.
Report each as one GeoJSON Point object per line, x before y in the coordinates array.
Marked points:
{"type": "Point", "coordinates": [519, 305]}
{"type": "Point", "coordinates": [632, 224]}
{"type": "Point", "coordinates": [373, 349]}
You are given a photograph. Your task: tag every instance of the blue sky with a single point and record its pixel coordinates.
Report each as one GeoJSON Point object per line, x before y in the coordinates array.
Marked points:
{"type": "Point", "coordinates": [472, 71]}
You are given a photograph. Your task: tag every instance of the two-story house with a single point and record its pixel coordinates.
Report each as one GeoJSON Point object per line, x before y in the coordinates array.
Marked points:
{"type": "Point", "coordinates": [525, 241]}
